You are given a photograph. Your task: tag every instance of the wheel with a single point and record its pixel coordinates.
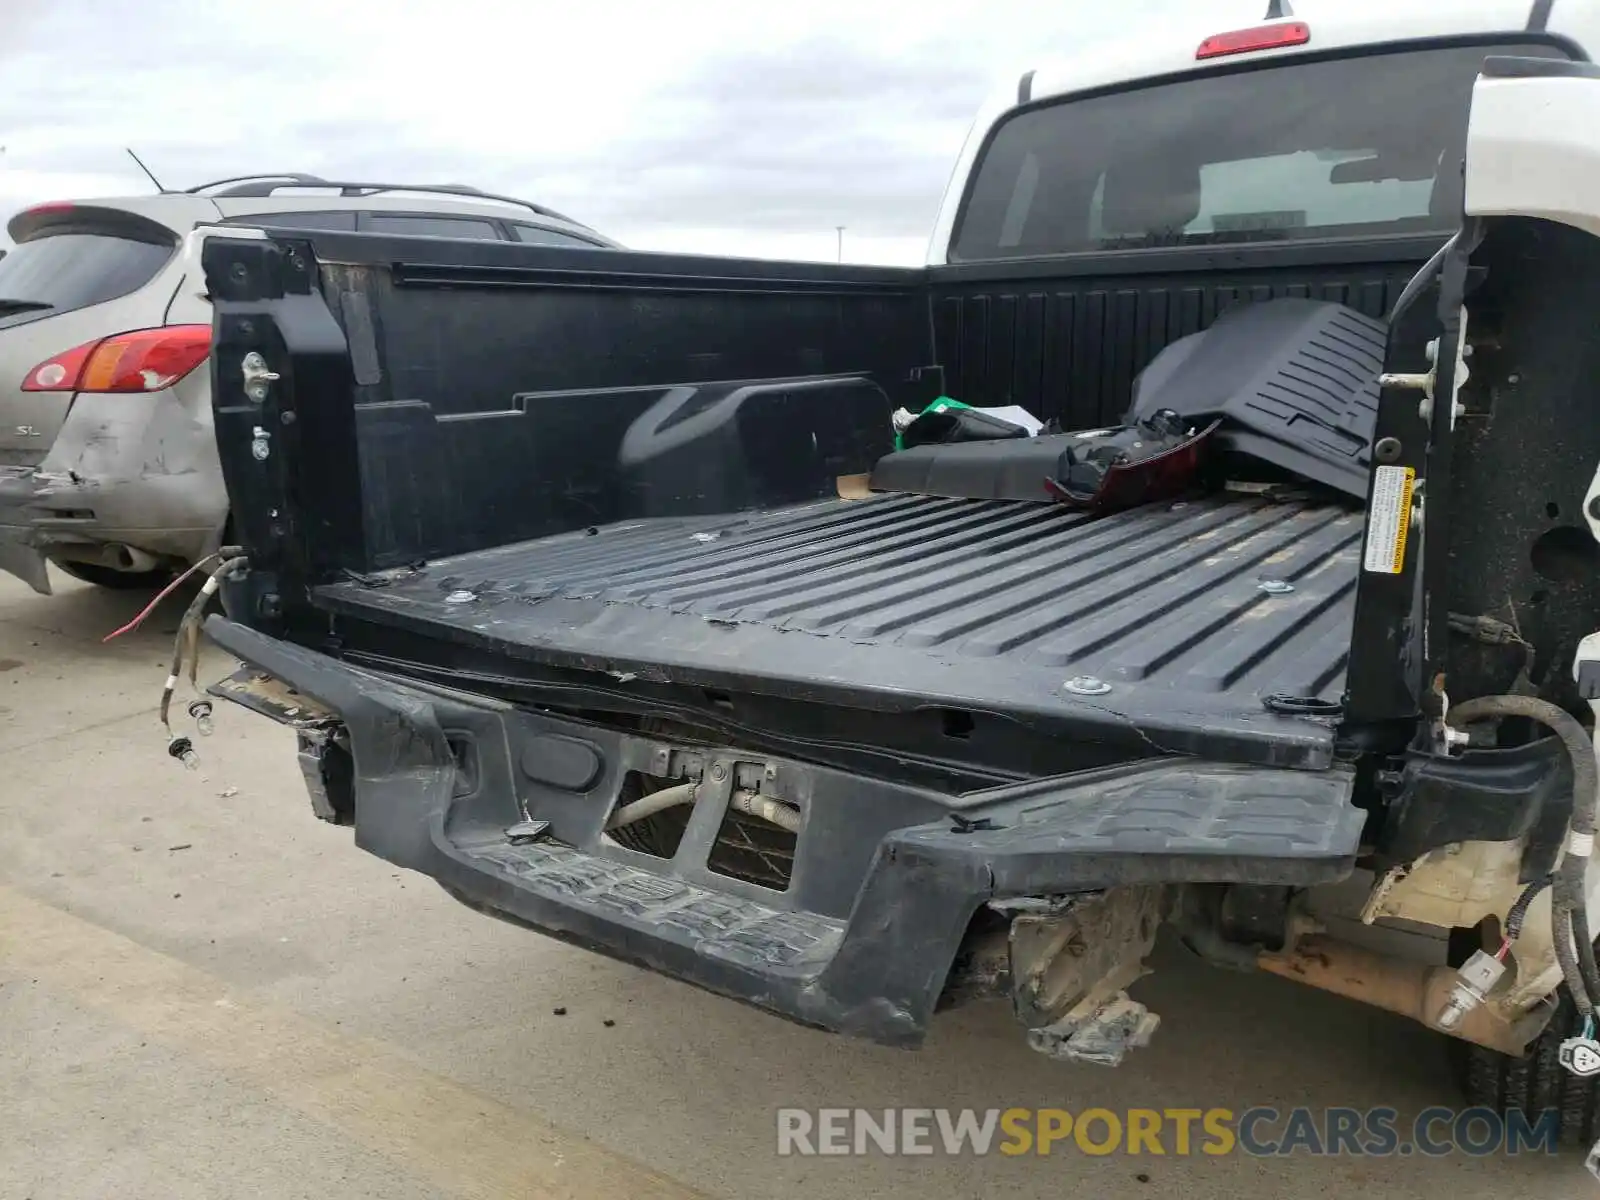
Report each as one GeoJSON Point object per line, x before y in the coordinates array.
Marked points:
{"type": "Point", "coordinates": [110, 577]}
{"type": "Point", "coordinates": [1536, 1082]}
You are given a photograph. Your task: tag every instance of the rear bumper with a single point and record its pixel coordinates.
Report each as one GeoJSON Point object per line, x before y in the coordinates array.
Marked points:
{"type": "Point", "coordinates": [133, 470]}
{"type": "Point", "coordinates": [886, 878]}
{"type": "Point", "coordinates": [45, 514]}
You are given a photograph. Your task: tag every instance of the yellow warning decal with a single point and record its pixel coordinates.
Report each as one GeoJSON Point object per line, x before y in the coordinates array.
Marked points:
{"type": "Point", "coordinates": [1389, 520]}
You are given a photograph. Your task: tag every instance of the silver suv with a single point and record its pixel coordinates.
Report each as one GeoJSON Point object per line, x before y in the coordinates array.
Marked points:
{"type": "Point", "coordinates": [108, 467]}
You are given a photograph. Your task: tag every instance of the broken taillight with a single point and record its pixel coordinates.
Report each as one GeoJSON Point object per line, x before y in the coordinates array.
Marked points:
{"type": "Point", "coordinates": [143, 360]}
{"type": "Point", "coordinates": [1260, 37]}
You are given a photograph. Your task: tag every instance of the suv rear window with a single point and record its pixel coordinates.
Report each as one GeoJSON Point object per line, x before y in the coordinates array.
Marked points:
{"type": "Point", "coordinates": [1345, 147]}
{"type": "Point", "coordinates": [539, 235]}
{"type": "Point", "coordinates": [57, 271]}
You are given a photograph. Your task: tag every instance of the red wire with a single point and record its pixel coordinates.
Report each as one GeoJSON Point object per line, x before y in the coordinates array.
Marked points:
{"type": "Point", "coordinates": [160, 596]}
{"type": "Point", "coordinates": [1505, 949]}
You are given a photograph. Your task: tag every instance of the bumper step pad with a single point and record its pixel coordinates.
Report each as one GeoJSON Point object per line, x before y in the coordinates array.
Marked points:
{"type": "Point", "coordinates": [716, 926]}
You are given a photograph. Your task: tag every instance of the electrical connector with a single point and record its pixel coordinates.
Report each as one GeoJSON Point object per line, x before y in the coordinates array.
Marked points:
{"type": "Point", "coordinates": [200, 710]}
{"type": "Point", "coordinates": [1580, 1055]}
{"type": "Point", "coordinates": [1474, 981]}
{"type": "Point", "coordinates": [182, 749]}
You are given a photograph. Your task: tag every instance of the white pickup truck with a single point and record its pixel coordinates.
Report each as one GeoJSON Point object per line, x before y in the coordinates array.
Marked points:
{"type": "Point", "coordinates": [598, 591]}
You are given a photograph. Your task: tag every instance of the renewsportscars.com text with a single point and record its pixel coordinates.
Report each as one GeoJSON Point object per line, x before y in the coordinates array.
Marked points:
{"type": "Point", "coordinates": [1179, 1132]}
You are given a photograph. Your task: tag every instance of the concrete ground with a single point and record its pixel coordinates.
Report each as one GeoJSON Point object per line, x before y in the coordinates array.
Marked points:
{"type": "Point", "coordinates": [206, 993]}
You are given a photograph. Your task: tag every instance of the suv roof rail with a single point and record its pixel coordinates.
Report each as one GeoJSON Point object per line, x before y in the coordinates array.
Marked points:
{"type": "Point", "coordinates": [286, 177]}
{"type": "Point", "coordinates": [267, 185]}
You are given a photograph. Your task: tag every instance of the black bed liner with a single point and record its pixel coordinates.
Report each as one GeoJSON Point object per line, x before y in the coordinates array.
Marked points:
{"type": "Point", "coordinates": [901, 602]}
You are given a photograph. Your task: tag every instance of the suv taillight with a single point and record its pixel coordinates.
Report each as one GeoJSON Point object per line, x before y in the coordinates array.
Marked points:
{"type": "Point", "coordinates": [144, 360]}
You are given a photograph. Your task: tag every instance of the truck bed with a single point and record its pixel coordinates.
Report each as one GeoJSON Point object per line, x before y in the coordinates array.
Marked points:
{"type": "Point", "coordinates": [910, 602]}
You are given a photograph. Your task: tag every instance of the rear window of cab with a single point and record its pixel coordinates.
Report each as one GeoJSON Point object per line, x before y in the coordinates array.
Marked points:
{"type": "Point", "coordinates": [1354, 146]}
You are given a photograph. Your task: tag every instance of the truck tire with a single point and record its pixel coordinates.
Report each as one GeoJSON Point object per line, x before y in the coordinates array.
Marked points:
{"type": "Point", "coordinates": [1535, 1082]}
{"type": "Point", "coordinates": [110, 577]}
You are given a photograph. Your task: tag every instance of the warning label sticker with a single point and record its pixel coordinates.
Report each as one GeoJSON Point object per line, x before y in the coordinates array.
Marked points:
{"type": "Point", "coordinates": [1389, 520]}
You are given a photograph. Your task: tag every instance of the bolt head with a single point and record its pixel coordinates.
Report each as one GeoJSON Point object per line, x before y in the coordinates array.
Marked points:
{"type": "Point", "coordinates": [1275, 587]}
{"type": "Point", "coordinates": [719, 772]}
{"type": "Point", "coordinates": [260, 450]}
{"type": "Point", "coordinates": [1086, 685]}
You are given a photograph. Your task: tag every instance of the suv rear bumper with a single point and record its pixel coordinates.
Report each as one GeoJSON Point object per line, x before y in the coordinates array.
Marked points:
{"type": "Point", "coordinates": [45, 514]}
{"type": "Point", "coordinates": [135, 472]}
{"type": "Point", "coordinates": [886, 881]}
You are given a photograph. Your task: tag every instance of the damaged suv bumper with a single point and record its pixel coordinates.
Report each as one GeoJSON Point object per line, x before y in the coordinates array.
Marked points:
{"type": "Point", "coordinates": [507, 809]}
{"type": "Point", "coordinates": [46, 514]}
{"type": "Point", "coordinates": [130, 482]}
{"type": "Point", "coordinates": [19, 551]}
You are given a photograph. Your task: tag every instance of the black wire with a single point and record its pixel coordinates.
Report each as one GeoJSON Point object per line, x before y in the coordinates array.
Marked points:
{"type": "Point", "coordinates": [1420, 280]}
{"type": "Point", "coordinates": [1585, 943]}
{"type": "Point", "coordinates": [1562, 929]}
{"type": "Point", "coordinates": [1518, 912]}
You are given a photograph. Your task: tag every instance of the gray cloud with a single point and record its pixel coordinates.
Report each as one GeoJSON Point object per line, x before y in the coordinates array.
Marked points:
{"type": "Point", "coordinates": [785, 137]}
{"type": "Point", "coordinates": [17, 15]}
{"type": "Point", "coordinates": [779, 139]}
{"type": "Point", "coordinates": [822, 121]}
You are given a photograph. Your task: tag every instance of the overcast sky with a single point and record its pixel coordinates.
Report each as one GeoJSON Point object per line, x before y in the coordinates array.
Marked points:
{"type": "Point", "coordinates": [703, 125]}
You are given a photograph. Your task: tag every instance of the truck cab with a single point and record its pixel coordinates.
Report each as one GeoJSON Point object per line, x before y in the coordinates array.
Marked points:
{"type": "Point", "coordinates": [1239, 129]}
{"type": "Point", "coordinates": [597, 589]}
